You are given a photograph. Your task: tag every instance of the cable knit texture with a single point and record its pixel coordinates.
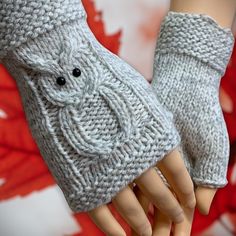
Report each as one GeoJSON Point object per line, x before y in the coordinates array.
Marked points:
{"type": "Point", "coordinates": [191, 56]}
{"type": "Point", "coordinates": [96, 121]}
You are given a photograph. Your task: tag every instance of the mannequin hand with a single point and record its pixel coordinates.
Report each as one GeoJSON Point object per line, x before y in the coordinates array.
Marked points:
{"type": "Point", "coordinates": [155, 191]}
{"type": "Point", "coordinates": [162, 225]}
{"type": "Point", "coordinates": [204, 197]}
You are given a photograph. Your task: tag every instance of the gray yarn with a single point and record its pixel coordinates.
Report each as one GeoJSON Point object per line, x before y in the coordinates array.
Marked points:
{"type": "Point", "coordinates": [99, 131]}
{"type": "Point", "coordinates": [21, 20]}
{"type": "Point", "coordinates": [191, 57]}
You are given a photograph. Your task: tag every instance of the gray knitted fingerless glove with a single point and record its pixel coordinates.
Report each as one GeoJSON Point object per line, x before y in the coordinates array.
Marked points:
{"type": "Point", "coordinates": [96, 120]}
{"type": "Point", "coordinates": [191, 57]}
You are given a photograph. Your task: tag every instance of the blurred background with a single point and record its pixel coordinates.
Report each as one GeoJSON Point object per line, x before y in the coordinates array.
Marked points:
{"type": "Point", "coordinates": [31, 204]}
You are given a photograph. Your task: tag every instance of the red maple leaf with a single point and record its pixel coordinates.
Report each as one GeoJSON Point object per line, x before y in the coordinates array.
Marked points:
{"type": "Point", "coordinates": [111, 42]}
{"type": "Point", "coordinates": [21, 166]}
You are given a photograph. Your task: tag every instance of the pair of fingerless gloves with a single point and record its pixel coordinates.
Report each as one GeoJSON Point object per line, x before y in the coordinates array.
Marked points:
{"type": "Point", "coordinates": [97, 122]}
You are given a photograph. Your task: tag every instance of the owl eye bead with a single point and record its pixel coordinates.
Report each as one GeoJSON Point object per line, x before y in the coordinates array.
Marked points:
{"type": "Point", "coordinates": [76, 72]}
{"type": "Point", "coordinates": [61, 81]}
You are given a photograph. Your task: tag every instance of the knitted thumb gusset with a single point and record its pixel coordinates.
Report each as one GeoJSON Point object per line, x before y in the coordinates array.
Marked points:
{"type": "Point", "coordinates": [96, 120]}
{"type": "Point", "coordinates": [191, 57]}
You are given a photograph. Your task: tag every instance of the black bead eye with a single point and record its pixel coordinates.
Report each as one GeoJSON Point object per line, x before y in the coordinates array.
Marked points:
{"type": "Point", "coordinates": [76, 72]}
{"type": "Point", "coordinates": [61, 81]}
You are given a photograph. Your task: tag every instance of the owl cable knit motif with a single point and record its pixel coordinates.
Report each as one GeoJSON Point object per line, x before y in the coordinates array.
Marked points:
{"type": "Point", "coordinates": [96, 120]}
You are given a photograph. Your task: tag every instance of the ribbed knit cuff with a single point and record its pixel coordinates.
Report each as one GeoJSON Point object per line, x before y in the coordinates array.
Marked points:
{"type": "Point", "coordinates": [196, 35]}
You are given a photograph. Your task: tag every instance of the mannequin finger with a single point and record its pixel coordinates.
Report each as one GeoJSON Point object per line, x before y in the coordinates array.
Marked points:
{"type": "Point", "coordinates": [184, 228]}
{"type": "Point", "coordinates": [178, 178]}
{"type": "Point", "coordinates": [128, 206]}
{"type": "Point", "coordinates": [204, 198]}
{"type": "Point", "coordinates": [161, 225]}
{"type": "Point", "coordinates": [144, 202]}
{"type": "Point", "coordinates": [103, 218]}
{"type": "Point", "coordinates": [152, 186]}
